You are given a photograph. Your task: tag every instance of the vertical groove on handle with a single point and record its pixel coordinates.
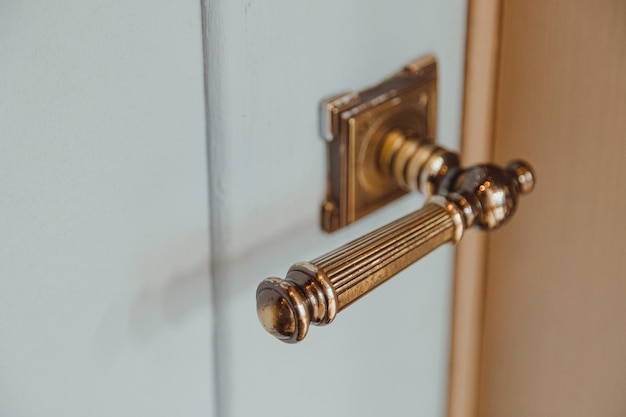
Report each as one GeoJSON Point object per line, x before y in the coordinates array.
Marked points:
{"type": "Point", "coordinates": [363, 264]}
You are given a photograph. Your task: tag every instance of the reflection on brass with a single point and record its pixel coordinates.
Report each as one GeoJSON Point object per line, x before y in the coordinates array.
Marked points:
{"type": "Point", "coordinates": [484, 196]}
{"type": "Point", "coordinates": [354, 125]}
{"type": "Point", "coordinates": [313, 292]}
{"type": "Point", "coordinates": [379, 150]}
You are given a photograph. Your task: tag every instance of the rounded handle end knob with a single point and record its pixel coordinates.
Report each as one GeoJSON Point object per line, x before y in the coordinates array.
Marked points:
{"type": "Point", "coordinates": [523, 174]}
{"type": "Point", "coordinates": [282, 310]}
{"type": "Point", "coordinates": [287, 307]}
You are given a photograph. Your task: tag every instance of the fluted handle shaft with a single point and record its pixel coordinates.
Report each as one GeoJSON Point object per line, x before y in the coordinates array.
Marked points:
{"type": "Point", "coordinates": [361, 265]}
{"type": "Point", "coordinates": [313, 292]}
{"type": "Point", "coordinates": [483, 195]}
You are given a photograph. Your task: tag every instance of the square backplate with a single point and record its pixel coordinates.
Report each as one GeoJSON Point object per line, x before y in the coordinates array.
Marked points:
{"type": "Point", "coordinates": [355, 125]}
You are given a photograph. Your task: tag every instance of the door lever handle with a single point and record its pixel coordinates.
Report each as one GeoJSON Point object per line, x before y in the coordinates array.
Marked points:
{"type": "Point", "coordinates": [484, 196]}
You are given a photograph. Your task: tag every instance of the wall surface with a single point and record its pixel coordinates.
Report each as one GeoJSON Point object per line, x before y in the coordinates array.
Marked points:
{"type": "Point", "coordinates": [268, 65]}
{"type": "Point", "coordinates": [555, 317]}
{"type": "Point", "coordinates": [104, 283]}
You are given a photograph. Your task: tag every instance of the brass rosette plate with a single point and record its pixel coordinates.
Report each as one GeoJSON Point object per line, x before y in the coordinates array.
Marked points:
{"type": "Point", "coordinates": [355, 125]}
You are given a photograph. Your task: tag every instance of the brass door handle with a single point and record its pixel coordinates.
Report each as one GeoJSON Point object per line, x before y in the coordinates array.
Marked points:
{"type": "Point", "coordinates": [484, 196]}
{"type": "Point", "coordinates": [379, 147]}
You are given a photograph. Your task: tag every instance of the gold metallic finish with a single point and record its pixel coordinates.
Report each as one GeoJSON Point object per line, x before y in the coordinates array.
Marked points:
{"type": "Point", "coordinates": [286, 307]}
{"type": "Point", "coordinates": [435, 169]}
{"type": "Point", "coordinates": [400, 162]}
{"type": "Point", "coordinates": [355, 126]}
{"type": "Point", "coordinates": [313, 292]}
{"type": "Point", "coordinates": [416, 164]}
{"type": "Point", "coordinates": [359, 266]}
{"type": "Point", "coordinates": [413, 165]}
{"type": "Point", "coordinates": [484, 196]}
{"type": "Point", "coordinates": [391, 145]}
{"type": "Point", "coordinates": [457, 215]}
{"type": "Point", "coordinates": [375, 155]}
{"type": "Point", "coordinates": [523, 175]}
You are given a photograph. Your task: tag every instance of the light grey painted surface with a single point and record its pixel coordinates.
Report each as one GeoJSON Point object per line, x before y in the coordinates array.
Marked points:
{"type": "Point", "coordinates": [104, 282]}
{"type": "Point", "coordinates": [105, 304]}
{"type": "Point", "coordinates": [268, 65]}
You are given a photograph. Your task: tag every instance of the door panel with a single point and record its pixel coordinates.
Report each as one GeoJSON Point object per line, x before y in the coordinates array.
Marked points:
{"type": "Point", "coordinates": [268, 65]}
{"type": "Point", "coordinates": [105, 304]}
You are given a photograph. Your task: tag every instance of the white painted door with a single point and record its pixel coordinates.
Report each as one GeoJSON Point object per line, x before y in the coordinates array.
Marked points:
{"type": "Point", "coordinates": [105, 306]}
{"type": "Point", "coordinates": [108, 305]}
{"type": "Point", "coordinates": [268, 65]}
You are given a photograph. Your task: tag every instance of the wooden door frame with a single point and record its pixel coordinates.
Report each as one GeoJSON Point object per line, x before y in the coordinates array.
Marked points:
{"type": "Point", "coordinates": [481, 69]}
